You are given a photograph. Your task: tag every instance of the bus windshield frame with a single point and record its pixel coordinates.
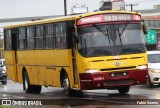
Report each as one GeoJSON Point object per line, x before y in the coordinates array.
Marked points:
{"type": "Point", "coordinates": [109, 39]}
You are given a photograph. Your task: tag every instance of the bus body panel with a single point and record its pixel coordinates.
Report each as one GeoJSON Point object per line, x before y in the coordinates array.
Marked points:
{"type": "Point", "coordinates": [42, 76]}
{"type": "Point", "coordinates": [44, 61]}
{"type": "Point", "coordinates": [62, 62]}
{"type": "Point", "coordinates": [32, 74]}
{"type": "Point", "coordinates": [19, 73]}
{"type": "Point", "coordinates": [45, 57]}
{"type": "Point", "coordinates": [44, 68]}
{"type": "Point", "coordinates": [50, 72]}
{"type": "Point", "coordinates": [11, 65]}
{"type": "Point", "coordinates": [26, 60]}
{"type": "Point", "coordinates": [128, 62]}
{"type": "Point", "coordinates": [62, 58]}
{"type": "Point", "coordinates": [26, 57]}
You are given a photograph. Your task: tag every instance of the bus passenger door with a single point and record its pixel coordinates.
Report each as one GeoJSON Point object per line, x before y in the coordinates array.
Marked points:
{"type": "Point", "coordinates": [10, 56]}
{"type": "Point", "coordinates": [75, 74]}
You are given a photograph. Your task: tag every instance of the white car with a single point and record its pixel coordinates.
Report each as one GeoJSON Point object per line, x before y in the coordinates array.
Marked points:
{"type": "Point", "coordinates": [153, 68]}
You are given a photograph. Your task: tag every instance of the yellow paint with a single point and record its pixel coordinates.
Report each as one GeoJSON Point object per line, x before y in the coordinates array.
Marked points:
{"type": "Point", "coordinates": [11, 65]}
{"type": "Point", "coordinates": [44, 66]}
{"type": "Point", "coordinates": [107, 62]}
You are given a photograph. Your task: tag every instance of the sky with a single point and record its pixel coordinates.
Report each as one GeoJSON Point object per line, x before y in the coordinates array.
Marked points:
{"type": "Point", "coordinates": [29, 8]}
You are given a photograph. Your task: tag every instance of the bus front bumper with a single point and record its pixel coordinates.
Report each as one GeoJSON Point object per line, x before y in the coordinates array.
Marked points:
{"type": "Point", "coordinates": [112, 80]}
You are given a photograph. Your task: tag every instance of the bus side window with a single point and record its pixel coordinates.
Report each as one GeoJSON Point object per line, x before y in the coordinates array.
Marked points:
{"type": "Point", "coordinates": [39, 37]}
{"type": "Point", "coordinates": [61, 35]}
{"type": "Point", "coordinates": [49, 36]}
{"type": "Point", "coordinates": [30, 37]}
{"type": "Point", "coordinates": [14, 34]}
{"type": "Point", "coordinates": [21, 38]}
{"type": "Point", "coordinates": [7, 39]}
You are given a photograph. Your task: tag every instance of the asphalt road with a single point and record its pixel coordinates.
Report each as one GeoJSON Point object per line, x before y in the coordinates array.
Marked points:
{"type": "Point", "coordinates": [139, 96]}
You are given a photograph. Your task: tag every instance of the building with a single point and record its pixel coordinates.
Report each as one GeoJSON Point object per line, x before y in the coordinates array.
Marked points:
{"type": "Point", "coordinates": [151, 19]}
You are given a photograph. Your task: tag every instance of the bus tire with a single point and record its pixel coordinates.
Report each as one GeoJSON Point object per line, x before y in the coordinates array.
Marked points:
{"type": "Point", "coordinates": [123, 90]}
{"type": "Point", "coordinates": [26, 84]}
{"type": "Point", "coordinates": [37, 89]}
{"type": "Point", "coordinates": [66, 85]}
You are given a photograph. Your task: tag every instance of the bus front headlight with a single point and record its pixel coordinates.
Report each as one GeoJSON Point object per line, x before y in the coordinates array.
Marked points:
{"type": "Point", "coordinates": [92, 71]}
{"type": "Point", "coordinates": [142, 67]}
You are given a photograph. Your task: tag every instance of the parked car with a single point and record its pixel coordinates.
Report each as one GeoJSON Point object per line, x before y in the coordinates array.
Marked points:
{"type": "Point", "coordinates": [153, 68]}
{"type": "Point", "coordinates": [3, 75]}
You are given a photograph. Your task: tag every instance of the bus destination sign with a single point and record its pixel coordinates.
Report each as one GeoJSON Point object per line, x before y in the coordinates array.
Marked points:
{"type": "Point", "coordinates": [107, 18]}
{"type": "Point", "coordinates": [91, 19]}
{"type": "Point", "coordinates": [121, 17]}
{"type": "Point", "coordinates": [117, 17]}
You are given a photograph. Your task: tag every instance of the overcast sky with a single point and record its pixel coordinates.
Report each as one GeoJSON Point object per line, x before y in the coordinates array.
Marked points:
{"type": "Point", "coordinates": [28, 8]}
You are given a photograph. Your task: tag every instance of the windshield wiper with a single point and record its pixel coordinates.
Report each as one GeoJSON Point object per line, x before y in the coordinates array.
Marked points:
{"type": "Point", "coordinates": [123, 29]}
{"type": "Point", "coordinates": [98, 28]}
{"type": "Point", "coordinates": [103, 32]}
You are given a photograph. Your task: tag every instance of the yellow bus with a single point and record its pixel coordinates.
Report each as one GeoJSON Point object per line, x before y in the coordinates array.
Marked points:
{"type": "Point", "coordinates": [97, 50]}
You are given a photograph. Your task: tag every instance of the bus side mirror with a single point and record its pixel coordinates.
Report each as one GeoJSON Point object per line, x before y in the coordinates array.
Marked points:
{"type": "Point", "coordinates": [145, 29]}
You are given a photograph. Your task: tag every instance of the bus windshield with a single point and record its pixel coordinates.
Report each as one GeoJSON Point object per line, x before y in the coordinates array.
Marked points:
{"type": "Point", "coordinates": [111, 39]}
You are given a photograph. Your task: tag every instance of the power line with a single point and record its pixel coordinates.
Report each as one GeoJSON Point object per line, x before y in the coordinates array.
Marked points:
{"type": "Point", "coordinates": [131, 5]}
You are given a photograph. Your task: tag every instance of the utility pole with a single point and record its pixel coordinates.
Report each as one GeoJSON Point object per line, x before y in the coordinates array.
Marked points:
{"type": "Point", "coordinates": [65, 8]}
{"type": "Point", "coordinates": [131, 5]}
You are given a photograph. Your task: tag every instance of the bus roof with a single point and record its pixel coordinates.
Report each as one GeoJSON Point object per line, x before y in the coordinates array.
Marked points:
{"type": "Point", "coordinates": [67, 18]}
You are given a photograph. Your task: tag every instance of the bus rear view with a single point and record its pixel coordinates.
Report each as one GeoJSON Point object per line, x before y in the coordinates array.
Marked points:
{"type": "Point", "coordinates": [111, 51]}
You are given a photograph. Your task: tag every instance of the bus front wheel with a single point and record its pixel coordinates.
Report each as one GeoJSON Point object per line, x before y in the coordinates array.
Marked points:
{"type": "Point", "coordinates": [123, 90]}
{"type": "Point", "coordinates": [28, 87]}
{"type": "Point", "coordinates": [66, 85]}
